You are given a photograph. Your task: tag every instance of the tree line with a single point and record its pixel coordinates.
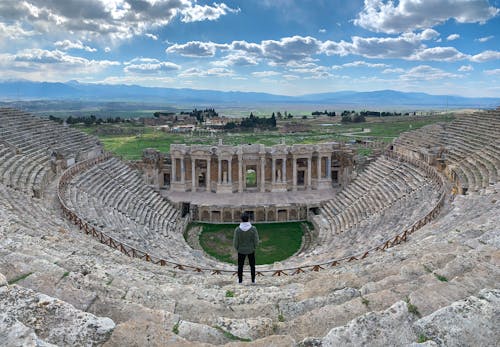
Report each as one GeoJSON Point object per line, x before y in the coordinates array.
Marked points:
{"type": "Point", "coordinates": [253, 122]}
{"type": "Point", "coordinates": [87, 120]}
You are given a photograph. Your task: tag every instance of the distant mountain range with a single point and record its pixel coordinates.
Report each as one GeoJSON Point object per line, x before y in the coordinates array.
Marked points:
{"type": "Point", "coordinates": [73, 90]}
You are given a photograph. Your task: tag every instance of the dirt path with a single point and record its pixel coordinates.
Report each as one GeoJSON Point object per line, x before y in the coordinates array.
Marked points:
{"type": "Point", "coordinates": [357, 133]}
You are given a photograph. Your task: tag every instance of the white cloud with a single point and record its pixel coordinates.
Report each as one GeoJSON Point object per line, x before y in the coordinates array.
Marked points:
{"type": "Point", "coordinates": [438, 54]}
{"type": "Point", "coordinates": [428, 34]}
{"type": "Point", "coordinates": [252, 48]}
{"type": "Point", "coordinates": [105, 19]}
{"type": "Point", "coordinates": [107, 49]}
{"type": "Point", "coordinates": [265, 73]}
{"type": "Point", "coordinates": [295, 48]}
{"type": "Point", "coordinates": [465, 68]}
{"type": "Point", "coordinates": [67, 45]}
{"type": "Point", "coordinates": [485, 56]}
{"type": "Point", "coordinates": [214, 72]}
{"type": "Point", "coordinates": [360, 63]}
{"type": "Point", "coordinates": [283, 51]}
{"type": "Point", "coordinates": [199, 13]}
{"type": "Point", "coordinates": [41, 56]}
{"type": "Point", "coordinates": [494, 72]}
{"type": "Point", "coordinates": [312, 70]}
{"type": "Point", "coordinates": [453, 37]}
{"type": "Point", "coordinates": [427, 73]}
{"type": "Point", "coordinates": [151, 36]}
{"type": "Point", "coordinates": [14, 32]}
{"type": "Point", "coordinates": [341, 48]}
{"type": "Point", "coordinates": [149, 66]}
{"type": "Point", "coordinates": [56, 65]}
{"type": "Point", "coordinates": [485, 38]}
{"type": "Point", "coordinates": [195, 49]}
{"type": "Point", "coordinates": [406, 15]}
{"type": "Point", "coordinates": [322, 30]}
{"type": "Point", "coordinates": [395, 70]}
{"type": "Point", "coordinates": [236, 60]}
{"type": "Point", "coordinates": [385, 47]}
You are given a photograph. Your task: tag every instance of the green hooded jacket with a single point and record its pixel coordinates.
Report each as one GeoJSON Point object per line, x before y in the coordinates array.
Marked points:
{"type": "Point", "coordinates": [246, 238]}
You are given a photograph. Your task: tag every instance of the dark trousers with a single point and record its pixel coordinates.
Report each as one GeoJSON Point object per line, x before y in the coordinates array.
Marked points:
{"type": "Point", "coordinates": [241, 262]}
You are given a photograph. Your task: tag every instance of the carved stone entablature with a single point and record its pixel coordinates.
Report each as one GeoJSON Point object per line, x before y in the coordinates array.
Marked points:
{"type": "Point", "coordinates": [302, 150]}
{"type": "Point", "coordinates": [178, 150]}
{"type": "Point", "coordinates": [279, 150]}
{"type": "Point", "coordinates": [324, 148]}
{"type": "Point", "coordinates": [252, 148]}
{"type": "Point", "coordinates": [225, 151]}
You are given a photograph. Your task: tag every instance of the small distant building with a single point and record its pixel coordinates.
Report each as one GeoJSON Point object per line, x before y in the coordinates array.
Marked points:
{"type": "Point", "coordinates": [216, 122]}
{"type": "Point", "coordinates": [186, 128]}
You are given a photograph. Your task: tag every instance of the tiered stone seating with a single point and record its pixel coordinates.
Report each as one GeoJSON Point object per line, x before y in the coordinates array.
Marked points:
{"type": "Point", "coordinates": [384, 182]}
{"type": "Point", "coordinates": [114, 198]}
{"type": "Point", "coordinates": [469, 145]}
{"type": "Point", "coordinates": [446, 263]}
{"type": "Point", "coordinates": [418, 144]}
{"type": "Point", "coordinates": [26, 145]}
{"type": "Point", "coordinates": [472, 150]}
{"type": "Point", "coordinates": [389, 196]}
{"type": "Point", "coordinates": [42, 252]}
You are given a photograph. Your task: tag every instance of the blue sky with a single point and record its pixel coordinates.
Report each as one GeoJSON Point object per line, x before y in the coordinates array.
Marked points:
{"type": "Point", "coordinates": [287, 47]}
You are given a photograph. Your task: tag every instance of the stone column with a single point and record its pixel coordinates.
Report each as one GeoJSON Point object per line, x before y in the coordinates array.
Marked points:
{"type": "Point", "coordinates": [319, 167]}
{"type": "Point", "coordinates": [294, 173]}
{"type": "Point", "coordinates": [219, 172]}
{"type": "Point", "coordinates": [329, 167]}
{"type": "Point", "coordinates": [240, 173]}
{"type": "Point", "coordinates": [208, 179]}
{"type": "Point", "coordinates": [262, 174]}
{"type": "Point", "coordinates": [183, 171]}
{"type": "Point", "coordinates": [193, 175]}
{"type": "Point", "coordinates": [309, 173]}
{"type": "Point", "coordinates": [230, 171]}
{"type": "Point", "coordinates": [174, 169]}
{"type": "Point", "coordinates": [273, 180]}
{"type": "Point", "coordinates": [283, 170]}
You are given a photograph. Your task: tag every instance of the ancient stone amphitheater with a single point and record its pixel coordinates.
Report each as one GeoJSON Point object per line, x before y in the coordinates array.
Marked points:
{"type": "Point", "coordinates": [407, 253]}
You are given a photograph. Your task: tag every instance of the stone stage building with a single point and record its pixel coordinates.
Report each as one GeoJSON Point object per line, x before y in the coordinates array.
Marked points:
{"type": "Point", "coordinates": [207, 180]}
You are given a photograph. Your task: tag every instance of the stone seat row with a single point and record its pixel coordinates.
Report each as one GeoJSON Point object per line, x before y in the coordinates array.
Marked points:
{"type": "Point", "coordinates": [26, 131]}
{"type": "Point", "coordinates": [123, 195]}
{"type": "Point", "coordinates": [131, 231]}
{"type": "Point", "coordinates": [113, 197]}
{"type": "Point", "coordinates": [25, 172]}
{"type": "Point", "coordinates": [126, 183]}
{"type": "Point", "coordinates": [26, 143]}
{"type": "Point", "coordinates": [378, 227]}
{"type": "Point", "coordinates": [472, 148]}
{"type": "Point", "coordinates": [384, 182]}
{"type": "Point", "coordinates": [476, 170]}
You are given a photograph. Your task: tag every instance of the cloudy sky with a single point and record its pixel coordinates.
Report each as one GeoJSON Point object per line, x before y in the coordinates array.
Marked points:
{"type": "Point", "coordinates": [288, 47]}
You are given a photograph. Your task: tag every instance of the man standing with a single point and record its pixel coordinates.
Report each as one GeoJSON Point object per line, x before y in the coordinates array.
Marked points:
{"type": "Point", "coordinates": [245, 241]}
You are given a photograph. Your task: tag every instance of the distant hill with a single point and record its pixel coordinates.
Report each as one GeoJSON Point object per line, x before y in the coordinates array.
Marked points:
{"type": "Point", "coordinates": [73, 90]}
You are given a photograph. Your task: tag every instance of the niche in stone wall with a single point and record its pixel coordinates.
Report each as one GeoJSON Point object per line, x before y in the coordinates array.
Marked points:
{"type": "Point", "coordinates": [216, 217]}
{"type": "Point", "coordinates": [251, 177]}
{"type": "Point", "coordinates": [228, 216]}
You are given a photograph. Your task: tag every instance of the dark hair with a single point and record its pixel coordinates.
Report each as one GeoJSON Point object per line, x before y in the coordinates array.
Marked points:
{"type": "Point", "coordinates": [245, 217]}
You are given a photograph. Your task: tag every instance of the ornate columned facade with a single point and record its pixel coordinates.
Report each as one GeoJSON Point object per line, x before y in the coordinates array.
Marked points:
{"type": "Point", "coordinates": [250, 168]}
{"type": "Point", "coordinates": [296, 177]}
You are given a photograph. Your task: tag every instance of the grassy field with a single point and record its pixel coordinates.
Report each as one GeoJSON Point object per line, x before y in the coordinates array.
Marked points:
{"type": "Point", "coordinates": [135, 138]}
{"type": "Point", "coordinates": [278, 241]}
